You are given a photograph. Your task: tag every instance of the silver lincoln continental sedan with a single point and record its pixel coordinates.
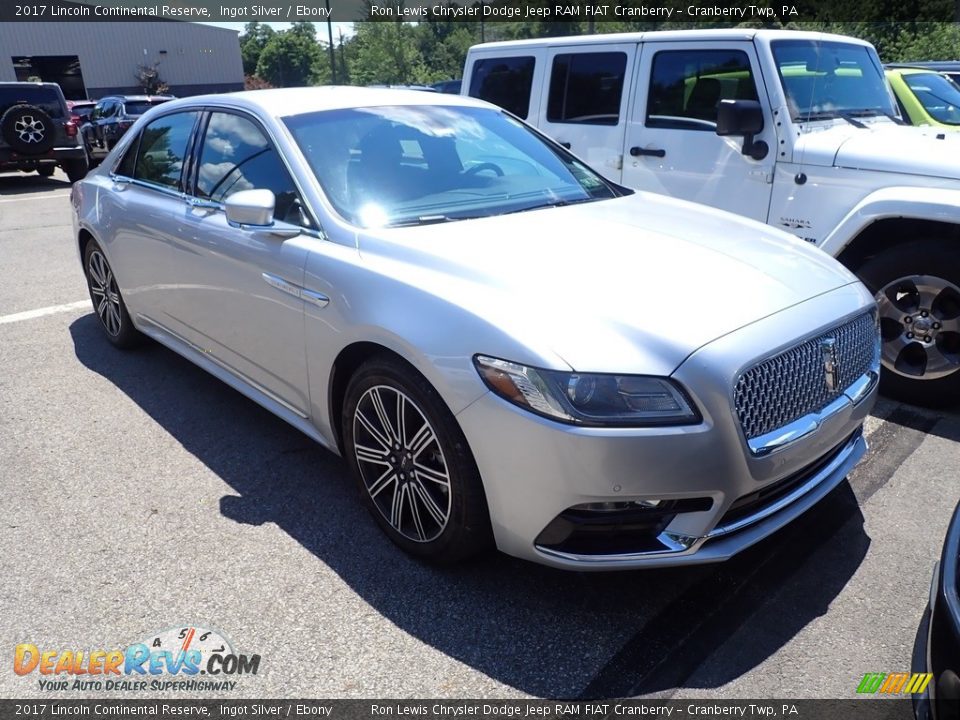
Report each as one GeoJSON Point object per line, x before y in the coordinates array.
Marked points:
{"type": "Point", "coordinates": [506, 348]}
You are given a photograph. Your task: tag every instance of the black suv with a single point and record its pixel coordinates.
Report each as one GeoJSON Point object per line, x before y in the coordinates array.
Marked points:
{"type": "Point", "coordinates": [37, 132]}
{"type": "Point", "coordinates": [111, 118]}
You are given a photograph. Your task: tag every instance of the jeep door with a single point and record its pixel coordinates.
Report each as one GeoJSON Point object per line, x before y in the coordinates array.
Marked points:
{"type": "Point", "coordinates": [671, 142]}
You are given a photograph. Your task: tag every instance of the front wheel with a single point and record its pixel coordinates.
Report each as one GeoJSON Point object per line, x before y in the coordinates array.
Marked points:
{"type": "Point", "coordinates": [412, 463]}
{"type": "Point", "coordinates": [107, 300]}
{"type": "Point", "coordinates": [917, 288]}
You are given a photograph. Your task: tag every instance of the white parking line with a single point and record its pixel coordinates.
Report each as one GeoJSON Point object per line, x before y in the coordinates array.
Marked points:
{"type": "Point", "coordinates": [40, 312]}
{"type": "Point", "coordinates": [41, 197]}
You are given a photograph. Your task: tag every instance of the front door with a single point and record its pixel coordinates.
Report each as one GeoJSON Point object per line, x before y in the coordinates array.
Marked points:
{"type": "Point", "coordinates": [671, 142]}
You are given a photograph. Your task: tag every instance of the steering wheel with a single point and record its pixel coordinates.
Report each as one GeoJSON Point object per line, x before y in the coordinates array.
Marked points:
{"type": "Point", "coordinates": [481, 167]}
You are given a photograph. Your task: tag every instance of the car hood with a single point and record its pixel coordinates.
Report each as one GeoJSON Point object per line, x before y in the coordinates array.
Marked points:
{"type": "Point", "coordinates": [882, 147]}
{"type": "Point", "coordinates": [634, 284]}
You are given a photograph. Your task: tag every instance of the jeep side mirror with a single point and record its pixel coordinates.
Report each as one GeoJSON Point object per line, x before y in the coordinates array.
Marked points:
{"type": "Point", "coordinates": [742, 117]}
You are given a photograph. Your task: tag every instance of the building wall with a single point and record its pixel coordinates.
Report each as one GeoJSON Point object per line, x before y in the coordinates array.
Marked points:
{"type": "Point", "coordinates": [198, 58]}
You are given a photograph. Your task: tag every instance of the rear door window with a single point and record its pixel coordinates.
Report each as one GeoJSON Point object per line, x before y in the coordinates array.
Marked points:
{"type": "Point", "coordinates": [586, 88]}
{"type": "Point", "coordinates": [504, 81]}
{"type": "Point", "coordinates": [163, 149]}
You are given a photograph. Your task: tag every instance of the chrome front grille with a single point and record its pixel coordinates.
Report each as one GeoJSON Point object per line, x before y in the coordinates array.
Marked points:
{"type": "Point", "coordinates": [794, 383]}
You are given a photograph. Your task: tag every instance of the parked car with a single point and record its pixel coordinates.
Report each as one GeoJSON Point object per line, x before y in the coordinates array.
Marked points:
{"type": "Point", "coordinates": [80, 110]}
{"type": "Point", "coordinates": [500, 342]}
{"type": "Point", "coordinates": [795, 129]}
{"type": "Point", "coordinates": [938, 642]}
{"type": "Point", "coordinates": [36, 132]}
{"type": "Point", "coordinates": [926, 97]}
{"type": "Point", "coordinates": [111, 118]}
{"type": "Point", "coordinates": [950, 68]}
{"type": "Point", "coordinates": [447, 86]}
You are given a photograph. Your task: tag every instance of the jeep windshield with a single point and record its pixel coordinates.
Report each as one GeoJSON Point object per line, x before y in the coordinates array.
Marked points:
{"type": "Point", "coordinates": [425, 164]}
{"type": "Point", "coordinates": [830, 80]}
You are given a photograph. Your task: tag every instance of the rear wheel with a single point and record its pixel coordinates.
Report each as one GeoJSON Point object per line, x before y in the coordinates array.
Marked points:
{"type": "Point", "coordinates": [917, 288]}
{"type": "Point", "coordinates": [45, 170]}
{"type": "Point", "coordinates": [107, 300]}
{"type": "Point", "coordinates": [412, 463]}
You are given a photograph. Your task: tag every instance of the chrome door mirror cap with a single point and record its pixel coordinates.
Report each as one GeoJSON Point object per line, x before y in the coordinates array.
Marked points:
{"type": "Point", "coordinates": [250, 207]}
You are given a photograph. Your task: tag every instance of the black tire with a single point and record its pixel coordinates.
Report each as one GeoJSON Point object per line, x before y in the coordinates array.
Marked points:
{"type": "Point", "coordinates": [457, 525]}
{"type": "Point", "coordinates": [920, 352]}
{"type": "Point", "coordinates": [76, 169]}
{"type": "Point", "coordinates": [27, 129]}
{"type": "Point", "coordinates": [110, 307]}
{"type": "Point", "coordinates": [46, 170]}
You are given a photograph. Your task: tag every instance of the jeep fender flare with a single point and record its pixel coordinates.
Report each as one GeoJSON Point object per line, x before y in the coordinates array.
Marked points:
{"type": "Point", "coordinates": [926, 204]}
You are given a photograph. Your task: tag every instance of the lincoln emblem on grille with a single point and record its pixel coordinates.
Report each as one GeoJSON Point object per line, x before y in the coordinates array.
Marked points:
{"type": "Point", "coordinates": [831, 366]}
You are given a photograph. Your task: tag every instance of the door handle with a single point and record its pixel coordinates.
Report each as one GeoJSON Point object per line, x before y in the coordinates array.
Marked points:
{"type": "Point", "coordinates": [649, 152]}
{"type": "Point", "coordinates": [565, 144]}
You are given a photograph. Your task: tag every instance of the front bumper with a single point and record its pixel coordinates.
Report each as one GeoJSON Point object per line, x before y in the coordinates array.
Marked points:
{"type": "Point", "coordinates": [537, 472]}
{"type": "Point", "coordinates": [938, 643]}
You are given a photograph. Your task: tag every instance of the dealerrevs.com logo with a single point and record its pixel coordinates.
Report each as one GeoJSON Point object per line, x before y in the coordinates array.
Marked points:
{"type": "Point", "coordinates": [186, 658]}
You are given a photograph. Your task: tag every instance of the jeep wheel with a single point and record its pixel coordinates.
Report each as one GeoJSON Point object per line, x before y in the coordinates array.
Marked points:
{"type": "Point", "coordinates": [917, 287]}
{"type": "Point", "coordinates": [45, 170]}
{"type": "Point", "coordinates": [27, 129]}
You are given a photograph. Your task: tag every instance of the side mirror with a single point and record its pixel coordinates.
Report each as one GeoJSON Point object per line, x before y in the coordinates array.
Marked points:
{"type": "Point", "coordinates": [743, 117]}
{"type": "Point", "coordinates": [253, 210]}
{"type": "Point", "coordinates": [250, 207]}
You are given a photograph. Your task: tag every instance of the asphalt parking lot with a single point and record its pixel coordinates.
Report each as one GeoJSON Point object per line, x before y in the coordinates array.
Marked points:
{"type": "Point", "coordinates": [137, 494]}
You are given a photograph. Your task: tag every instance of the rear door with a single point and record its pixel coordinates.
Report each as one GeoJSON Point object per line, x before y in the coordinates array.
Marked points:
{"type": "Point", "coordinates": [586, 89]}
{"type": "Point", "coordinates": [671, 142]}
{"type": "Point", "coordinates": [238, 290]}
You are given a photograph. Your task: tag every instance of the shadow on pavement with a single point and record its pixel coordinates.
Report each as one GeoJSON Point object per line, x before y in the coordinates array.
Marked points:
{"type": "Point", "coordinates": [541, 631]}
{"type": "Point", "coordinates": [25, 183]}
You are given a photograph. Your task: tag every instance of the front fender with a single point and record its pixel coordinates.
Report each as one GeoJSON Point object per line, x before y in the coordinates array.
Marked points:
{"type": "Point", "coordinates": [923, 203]}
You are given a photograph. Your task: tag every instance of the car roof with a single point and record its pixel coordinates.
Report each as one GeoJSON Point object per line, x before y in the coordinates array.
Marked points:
{"type": "Point", "coordinates": [282, 102]}
{"type": "Point", "coordinates": [722, 34]}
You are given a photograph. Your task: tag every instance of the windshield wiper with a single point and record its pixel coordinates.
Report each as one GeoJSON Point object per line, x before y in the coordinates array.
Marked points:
{"type": "Point", "coordinates": [812, 116]}
{"type": "Point", "coordinates": [431, 220]}
{"type": "Point", "coordinates": [873, 112]}
{"type": "Point", "coordinates": [553, 204]}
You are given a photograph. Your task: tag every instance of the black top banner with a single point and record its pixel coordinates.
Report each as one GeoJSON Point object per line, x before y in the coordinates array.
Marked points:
{"type": "Point", "coordinates": [756, 13]}
{"type": "Point", "coordinates": [854, 709]}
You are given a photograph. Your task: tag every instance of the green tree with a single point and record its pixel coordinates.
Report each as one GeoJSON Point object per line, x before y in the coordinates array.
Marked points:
{"type": "Point", "coordinates": [290, 59]}
{"type": "Point", "coordinates": [252, 42]}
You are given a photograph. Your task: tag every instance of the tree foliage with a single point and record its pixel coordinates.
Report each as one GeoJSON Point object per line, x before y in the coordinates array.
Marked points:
{"type": "Point", "coordinates": [434, 49]}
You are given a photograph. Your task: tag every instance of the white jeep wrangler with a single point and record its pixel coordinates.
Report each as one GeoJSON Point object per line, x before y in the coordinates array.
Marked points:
{"type": "Point", "coordinates": [795, 129]}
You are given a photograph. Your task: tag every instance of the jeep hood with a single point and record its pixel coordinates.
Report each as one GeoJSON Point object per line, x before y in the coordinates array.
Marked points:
{"type": "Point", "coordinates": [882, 147]}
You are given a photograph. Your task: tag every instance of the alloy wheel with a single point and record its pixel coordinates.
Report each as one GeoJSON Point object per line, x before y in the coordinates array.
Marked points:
{"type": "Point", "coordinates": [401, 463]}
{"type": "Point", "coordinates": [920, 326]}
{"type": "Point", "coordinates": [103, 289]}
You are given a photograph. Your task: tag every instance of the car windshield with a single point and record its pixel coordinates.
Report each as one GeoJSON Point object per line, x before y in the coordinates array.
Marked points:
{"type": "Point", "coordinates": [417, 164]}
{"type": "Point", "coordinates": [827, 80]}
{"type": "Point", "coordinates": [939, 96]}
{"type": "Point", "coordinates": [139, 107]}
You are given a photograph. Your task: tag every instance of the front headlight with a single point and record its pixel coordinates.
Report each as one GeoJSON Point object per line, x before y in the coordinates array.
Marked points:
{"type": "Point", "coordinates": [588, 398]}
